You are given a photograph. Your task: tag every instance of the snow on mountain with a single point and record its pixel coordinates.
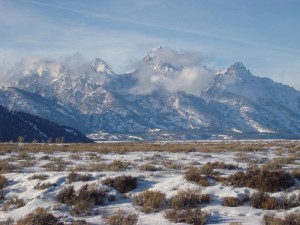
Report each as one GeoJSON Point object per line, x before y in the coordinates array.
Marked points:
{"type": "Point", "coordinates": [238, 80]}
{"type": "Point", "coordinates": [101, 66]}
{"type": "Point", "coordinates": [257, 98]}
{"type": "Point", "coordinates": [171, 92]}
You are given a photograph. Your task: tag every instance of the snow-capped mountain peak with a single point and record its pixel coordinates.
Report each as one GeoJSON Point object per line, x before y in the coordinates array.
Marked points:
{"type": "Point", "coordinates": [238, 68]}
{"type": "Point", "coordinates": [90, 97]}
{"type": "Point", "coordinates": [159, 59]}
{"type": "Point", "coordinates": [101, 66]}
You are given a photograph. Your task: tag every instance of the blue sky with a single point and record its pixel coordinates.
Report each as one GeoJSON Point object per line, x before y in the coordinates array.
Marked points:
{"type": "Point", "coordinates": [264, 35]}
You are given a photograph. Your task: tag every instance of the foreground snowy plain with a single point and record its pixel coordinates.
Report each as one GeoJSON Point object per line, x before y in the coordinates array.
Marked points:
{"type": "Point", "coordinates": [157, 166]}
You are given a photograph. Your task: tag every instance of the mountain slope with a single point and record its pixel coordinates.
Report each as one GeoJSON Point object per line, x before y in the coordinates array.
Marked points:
{"type": "Point", "coordinates": [17, 124]}
{"type": "Point", "coordinates": [170, 95]}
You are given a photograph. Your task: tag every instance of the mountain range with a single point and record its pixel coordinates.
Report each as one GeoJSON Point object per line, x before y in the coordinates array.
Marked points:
{"type": "Point", "coordinates": [168, 96]}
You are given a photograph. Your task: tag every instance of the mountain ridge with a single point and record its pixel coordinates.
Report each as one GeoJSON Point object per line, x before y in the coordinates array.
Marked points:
{"type": "Point", "coordinates": [158, 96]}
{"type": "Point", "coordinates": [24, 127]}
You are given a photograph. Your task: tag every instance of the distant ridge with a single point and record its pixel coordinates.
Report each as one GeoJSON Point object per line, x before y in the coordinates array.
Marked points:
{"type": "Point", "coordinates": [24, 127]}
{"type": "Point", "coordinates": [154, 101]}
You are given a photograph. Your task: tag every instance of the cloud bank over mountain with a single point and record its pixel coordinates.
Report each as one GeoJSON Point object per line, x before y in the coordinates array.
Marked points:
{"type": "Point", "coordinates": [172, 70]}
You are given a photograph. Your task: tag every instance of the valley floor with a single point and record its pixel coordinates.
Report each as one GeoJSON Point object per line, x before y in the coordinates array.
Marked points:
{"type": "Point", "coordinates": [35, 175]}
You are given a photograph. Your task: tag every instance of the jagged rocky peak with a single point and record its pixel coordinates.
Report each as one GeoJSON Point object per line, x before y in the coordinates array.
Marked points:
{"type": "Point", "coordinates": [40, 67]}
{"type": "Point", "coordinates": [239, 69]}
{"type": "Point", "coordinates": [101, 66]}
{"type": "Point", "coordinates": [159, 59]}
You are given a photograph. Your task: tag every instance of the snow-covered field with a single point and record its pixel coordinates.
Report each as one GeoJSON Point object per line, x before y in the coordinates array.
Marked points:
{"type": "Point", "coordinates": [156, 166]}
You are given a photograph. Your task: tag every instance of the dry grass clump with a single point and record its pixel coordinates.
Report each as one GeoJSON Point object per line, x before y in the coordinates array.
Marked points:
{"type": "Point", "coordinates": [295, 173]}
{"type": "Point", "coordinates": [123, 184]}
{"type": "Point", "coordinates": [189, 198]}
{"type": "Point", "coordinates": [221, 165]}
{"type": "Point", "coordinates": [25, 156]}
{"type": "Point", "coordinates": [208, 168]}
{"type": "Point", "coordinates": [13, 202]}
{"type": "Point", "coordinates": [39, 217]}
{"type": "Point", "coordinates": [278, 163]}
{"type": "Point", "coordinates": [289, 219]}
{"type": "Point", "coordinates": [150, 201]}
{"type": "Point", "coordinates": [263, 180]}
{"type": "Point", "coordinates": [148, 167]}
{"type": "Point", "coordinates": [82, 201]}
{"type": "Point", "coordinates": [75, 157]}
{"type": "Point", "coordinates": [262, 200]}
{"type": "Point", "coordinates": [74, 177]}
{"type": "Point", "coordinates": [173, 165]}
{"type": "Point", "coordinates": [116, 165]}
{"type": "Point", "coordinates": [57, 164]}
{"type": "Point", "coordinates": [94, 156]}
{"type": "Point", "coordinates": [43, 186]}
{"type": "Point", "coordinates": [121, 218]}
{"type": "Point", "coordinates": [189, 216]}
{"type": "Point", "coordinates": [27, 163]}
{"type": "Point", "coordinates": [291, 201]}
{"type": "Point", "coordinates": [194, 174]}
{"type": "Point", "coordinates": [6, 167]}
{"type": "Point", "coordinates": [96, 167]}
{"type": "Point", "coordinates": [231, 202]}
{"type": "Point", "coordinates": [38, 177]}
{"type": "Point", "coordinates": [45, 157]}
{"type": "Point", "coordinates": [80, 222]}
{"type": "Point", "coordinates": [3, 181]}
{"type": "Point", "coordinates": [8, 221]}
{"type": "Point", "coordinates": [156, 157]}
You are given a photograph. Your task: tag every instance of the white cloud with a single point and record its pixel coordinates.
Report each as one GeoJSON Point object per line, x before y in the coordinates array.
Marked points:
{"type": "Point", "coordinates": [191, 78]}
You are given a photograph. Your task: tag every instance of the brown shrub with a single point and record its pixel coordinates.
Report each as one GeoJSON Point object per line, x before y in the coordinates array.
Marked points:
{"type": "Point", "coordinates": [231, 201]}
{"type": "Point", "coordinates": [151, 201]}
{"type": "Point", "coordinates": [8, 221]}
{"type": "Point", "coordinates": [55, 166]}
{"type": "Point", "coordinates": [38, 177]}
{"type": "Point", "coordinates": [73, 177]}
{"type": "Point", "coordinates": [81, 201]}
{"type": "Point", "coordinates": [289, 219]}
{"type": "Point", "coordinates": [80, 222]}
{"type": "Point", "coordinates": [43, 186]}
{"type": "Point", "coordinates": [190, 216]}
{"type": "Point", "coordinates": [117, 165]}
{"type": "Point", "coordinates": [120, 218]}
{"type": "Point", "coordinates": [39, 217]}
{"type": "Point", "coordinates": [263, 180]}
{"type": "Point", "coordinates": [221, 165]}
{"type": "Point", "coordinates": [3, 181]}
{"type": "Point", "coordinates": [13, 202]}
{"type": "Point", "coordinates": [205, 198]}
{"type": "Point", "coordinates": [194, 174]}
{"type": "Point", "coordinates": [173, 165]}
{"type": "Point", "coordinates": [296, 174]}
{"type": "Point", "coordinates": [6, 167]}
{"type": "Point", "coordinates": [66, 195]}
{"type": "Point", "coordinates": [123, 183]}
{"type": "Point", "coordinates": [148, 167]}
{"type": "Point", "coordinates": [262, 200]}
{"type": "Point", "coordinates": [189, 198]}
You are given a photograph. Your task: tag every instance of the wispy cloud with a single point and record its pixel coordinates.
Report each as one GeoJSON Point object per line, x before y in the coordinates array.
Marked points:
{"type": "Point", "coordinates": [169, 28]}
